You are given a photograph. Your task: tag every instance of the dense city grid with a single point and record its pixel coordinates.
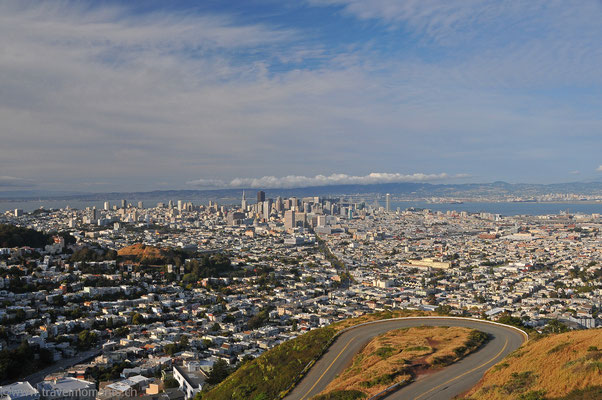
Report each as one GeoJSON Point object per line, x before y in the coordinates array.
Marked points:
{"type": "Point", "coordinates": [129, 298]}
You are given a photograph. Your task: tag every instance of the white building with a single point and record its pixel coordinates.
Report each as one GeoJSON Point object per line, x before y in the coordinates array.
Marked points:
{"type": "Point", "coordinates": [67, 389]}
{"type": "Point", "coordinates": [383, 283]}
{"type": "Point", "coordinates": [19, 391]}
{"type": "Point", "coordinates": [191, 378]}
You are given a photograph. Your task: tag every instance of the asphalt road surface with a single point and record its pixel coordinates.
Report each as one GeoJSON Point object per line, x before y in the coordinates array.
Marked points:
{"type": "Point", "coordinates": [444, 384]}
{"type": "Point", "coordinates": [62, 364]}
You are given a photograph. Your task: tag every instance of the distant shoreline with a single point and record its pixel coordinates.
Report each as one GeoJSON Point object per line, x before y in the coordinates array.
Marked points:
{"type": "Point", "coordinates": [505, 208]}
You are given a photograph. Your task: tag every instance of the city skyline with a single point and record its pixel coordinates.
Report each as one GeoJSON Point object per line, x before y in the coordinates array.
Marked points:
{"type": "Point", "coordinates": [315, 199]}
{"type": "Point", "coordinates": [113, 96]}
{"type": "Point", "coordinates": [197, 294]}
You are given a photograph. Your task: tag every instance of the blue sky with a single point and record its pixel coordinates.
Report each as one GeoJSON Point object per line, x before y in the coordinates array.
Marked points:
{"type": "Point", "coordinates": [143, 95]}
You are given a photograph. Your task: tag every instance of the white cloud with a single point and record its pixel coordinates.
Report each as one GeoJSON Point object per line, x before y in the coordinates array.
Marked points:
{"type": "Point", "coordinates": [451, 21]}
{"type": "Point", "coordinates": [295, 181]}
{"type": "Point", "coordinates": [213, 183]}
{"type": "Point", "coordinates": [434, 18]}
{"type": "Point", "coordinates": [12, 181]}
{"type": "Point", "coordinates": [95, 92]}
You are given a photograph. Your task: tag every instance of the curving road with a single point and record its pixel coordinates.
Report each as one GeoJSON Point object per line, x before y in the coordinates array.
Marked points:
{"type": "Point", "coordinates": [444, 384]}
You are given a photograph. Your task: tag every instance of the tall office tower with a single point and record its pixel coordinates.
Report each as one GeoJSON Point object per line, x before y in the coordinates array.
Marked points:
{"type": "Point", "coordinates": [279, 205]}
{"type": "Point", "coordinates": [260, 196]}
{"type": "Point", "coordinates": [123, 203]}
{"type": "Point", "coordinates": [179, 205]}
{"type": "Point", "coordinates": [243, 203]}
{"type": "Point", "coordinates": [294, 203]}
{"type": "Point", "coordinates": [140, 204]}
{"type": "Point", "coordinates": [289, 219]}
{"type": "Point", "coordinates": [93, 214]}
{"type": "Point", "coordinates": [388, 202]}
{"type": "Point", "coordinates": [267, 208]}
{"type": "Point", "coordinates": [107, 206]}
{"type": "Point", "coordinates": [321, 220]}
{"type": "Point", "coordinates": [170, 204]}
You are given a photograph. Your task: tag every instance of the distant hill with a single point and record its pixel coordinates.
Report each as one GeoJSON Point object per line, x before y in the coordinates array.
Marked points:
{"type": "Point", "coordinates": [410, 190]}
{"type": "Point", "coordinates": [563, 366]}
{"type": "Point", "coordinates": [142, 253]}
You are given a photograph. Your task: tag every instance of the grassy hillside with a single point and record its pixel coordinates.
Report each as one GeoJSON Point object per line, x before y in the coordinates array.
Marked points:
{"type": "Point", "coordinates": [274, 371]}
{"type": "Point", "coordinates": [402, 354]}
{"type": "Point", "coordinates": [141, 253]}
{"type": "Point", "coordinates": [563, 366]}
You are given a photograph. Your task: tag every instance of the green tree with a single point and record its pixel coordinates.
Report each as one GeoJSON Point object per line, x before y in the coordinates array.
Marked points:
{"type": "Point", "coordinates": [510, 320]}
{"type": "Point", "coordinates": [86, 339]}
{"type": "Point", "coordinates": [555, 326]}
{"type": "Point", "coordinates": [137, 319]}
{"type": "Point", "coordinates": [219, 372]}
{"type": "Point", "coordinates": [170, 383]}
{"type": "Point", "coordinates": [443, 309]}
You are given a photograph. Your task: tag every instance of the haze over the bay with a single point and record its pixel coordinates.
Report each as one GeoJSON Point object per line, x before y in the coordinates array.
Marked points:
{"type": "Point", "coordinates": [110, 96]}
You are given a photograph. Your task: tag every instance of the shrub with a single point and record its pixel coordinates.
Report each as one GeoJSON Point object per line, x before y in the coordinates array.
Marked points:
{"type": "Point", "coordinates": [557, 348]}
{"type": "Point", "coordinates": [384, 352]}
{"type": "Point", "coordinates": [519, 382]}
{"type": "Point", "coordinates": [341, 395]}
{"type": "Point", "coordinates": [533, 395]}
{"type": "Point", "coordinates": [418, 348]}
{"type": "Point", "coordinates": [274, 371]}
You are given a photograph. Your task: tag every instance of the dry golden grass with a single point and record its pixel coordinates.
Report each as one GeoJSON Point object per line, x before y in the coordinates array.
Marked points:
{"type": "Point", "coordinates": [397, 356]}
{"type": "Point", "coordinates": [555, 365]}
{"type": "Point", "coordinates": [286, 361]}
{"type": "Point", "coordinates": [380, 316]}
{"type": "Point", "coordinates": [141, 251]}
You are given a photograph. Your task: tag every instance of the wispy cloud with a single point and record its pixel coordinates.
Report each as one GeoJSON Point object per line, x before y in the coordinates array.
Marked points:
{"type": "Point", "coordinates": [295, 181]}
{"type": "Point", "coordinates": [14, 182]}
{"type": "Point", "coordinates": [91, 91]}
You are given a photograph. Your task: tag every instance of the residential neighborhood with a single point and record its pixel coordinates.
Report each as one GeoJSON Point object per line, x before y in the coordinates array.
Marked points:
{"type": "Point", "coordinates": [163, 302]}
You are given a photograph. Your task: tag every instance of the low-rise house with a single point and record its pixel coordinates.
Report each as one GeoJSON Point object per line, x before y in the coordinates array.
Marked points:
{"type": "Point", "coordinates": [67, 389]}
{"type": "Point", "coordinates": [19, 391]}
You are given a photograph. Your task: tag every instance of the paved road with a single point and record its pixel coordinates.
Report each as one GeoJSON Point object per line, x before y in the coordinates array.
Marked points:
{"type": "Point", "coordinates": [62, 364]}
{"type": "Point", "coordinates": [445, 384]}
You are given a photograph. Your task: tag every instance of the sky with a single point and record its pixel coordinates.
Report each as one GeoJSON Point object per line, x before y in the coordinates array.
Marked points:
{"type": "Point", "coordinates": [101, 96]}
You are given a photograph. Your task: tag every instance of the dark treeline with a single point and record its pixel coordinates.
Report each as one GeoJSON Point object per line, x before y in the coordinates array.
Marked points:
{"type": "Point", "coordinates": [13, 236]}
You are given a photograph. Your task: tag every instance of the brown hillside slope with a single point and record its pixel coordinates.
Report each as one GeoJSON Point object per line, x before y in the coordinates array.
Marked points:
{"type": "Point", "coordinates": [550, 367]}
{"type": "Point", "coordinates": [140, 252]}
{"type": "Point", "coordinates": [402, 354]}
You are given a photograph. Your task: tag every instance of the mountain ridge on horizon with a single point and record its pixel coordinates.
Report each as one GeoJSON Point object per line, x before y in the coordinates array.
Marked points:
{"type": "Point", "coordinates": [416, 189]}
